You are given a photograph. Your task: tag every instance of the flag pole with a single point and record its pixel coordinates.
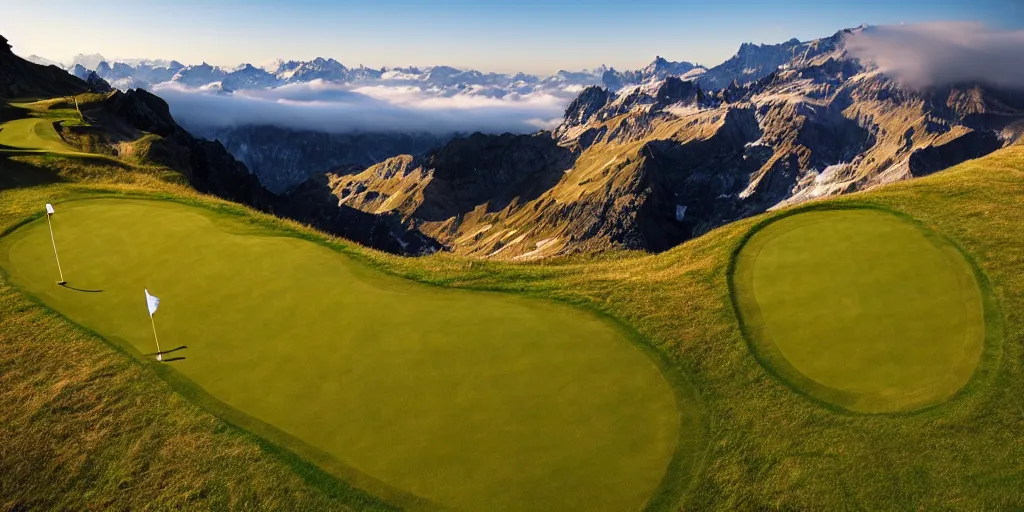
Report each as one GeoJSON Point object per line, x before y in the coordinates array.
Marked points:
{"type": "Point", "coordinates": [152, 302]}
{"type": "Point", "coordinates": [54, 242]}
{"type": "Point", "coordinates": [159, 355]}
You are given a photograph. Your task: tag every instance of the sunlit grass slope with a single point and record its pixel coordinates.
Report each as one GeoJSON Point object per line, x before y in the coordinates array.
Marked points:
{"type": "Point", "coordinates": [471, 400]}
{"type": "Point", "coordinates": [36, 133]}
{"type": "Point", "coordinates": [83, 426]}
{"type": "Point", "coordinates": [861, 309]}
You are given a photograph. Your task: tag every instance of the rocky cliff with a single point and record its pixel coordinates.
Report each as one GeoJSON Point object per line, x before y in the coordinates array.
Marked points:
{"type": "Point", "coordinates": [657, 163]}
{"type": "Point", "coordinates": [644, 167]}
{"type": "Point", "coordinates": [283, 158]}
{"type": "Point", "coordinates": [20, 78]}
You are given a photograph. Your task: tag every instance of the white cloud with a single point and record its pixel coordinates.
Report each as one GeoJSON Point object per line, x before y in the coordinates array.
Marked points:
{"type": "Point", "coordinates": [333, 107]}
{"type": "Point", "coordinates": [943, 53]}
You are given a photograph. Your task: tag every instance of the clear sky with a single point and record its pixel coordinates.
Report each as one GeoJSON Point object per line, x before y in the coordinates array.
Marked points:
{"type": "Point", "coordinates": [537, 36]}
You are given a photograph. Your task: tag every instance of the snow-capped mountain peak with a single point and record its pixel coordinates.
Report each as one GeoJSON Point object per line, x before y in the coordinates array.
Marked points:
{"type": "Point", "coordinates": [752, 62]}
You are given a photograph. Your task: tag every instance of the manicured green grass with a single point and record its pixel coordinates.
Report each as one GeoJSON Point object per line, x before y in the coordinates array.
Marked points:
{"type": "Point", "coordinates": [861, 309]}
{"type": "Point", "coordinates": [84, 427]}
{"type": "Point", "coordinates": [422, 395]}
{"type": "Point", "coordinates": [35, 135]}
{"type": "Point", "coordinates": [27, 128]}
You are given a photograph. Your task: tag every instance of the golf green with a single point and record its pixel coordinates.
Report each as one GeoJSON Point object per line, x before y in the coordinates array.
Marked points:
{"type": "Point", "coordinates": [423, 395]}
{"type": "Point", "coordinates": [34, 134]}
{"type": "Point", "coordinates": [861, 309]}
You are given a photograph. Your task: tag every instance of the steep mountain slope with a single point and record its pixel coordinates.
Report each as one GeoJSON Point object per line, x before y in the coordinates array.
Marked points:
{"type": "Point", "coordinates": [20, 78]}
{"type": "Point", "coordinates": [656, 162]}
{"type": "Point", "coordinates": [136, 128]}
{"type": "Point", "coordinates": [283, 158]}
{"type": "Point", "coordinates": [211, 169]}
{"type": "Point", "coordinates": [661, 162]}
{"type": "Point", "coordinates": [659, 69]}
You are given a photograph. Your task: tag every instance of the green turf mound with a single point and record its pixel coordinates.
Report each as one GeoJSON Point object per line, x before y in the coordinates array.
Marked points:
{"type": "Point", "coordinates": [423, 395]}
{"type": "Point", "coordinates": [860, 309]}
{"type": "Point", "coordinates": [33, 135]}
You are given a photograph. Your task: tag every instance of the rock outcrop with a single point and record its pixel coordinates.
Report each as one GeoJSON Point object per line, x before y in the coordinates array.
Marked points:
{"type": "Point", "coordinates": [284, 158]}
{"type": "Point", "coordinates": [658, 163]}
{"type": "Point", "coordinates": [644, 167]}
{"type": "Point", "coordinates": [20, 78]}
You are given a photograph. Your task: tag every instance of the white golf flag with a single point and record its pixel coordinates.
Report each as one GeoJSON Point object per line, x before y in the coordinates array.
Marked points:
{"type": "Point", "coordinates": [49, 208]}
{"type": "Point", "coordinates": [152, 302]}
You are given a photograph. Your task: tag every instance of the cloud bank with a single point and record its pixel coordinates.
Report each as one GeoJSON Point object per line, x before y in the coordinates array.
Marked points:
{"type": "Point", "coordinates": [336, 108]}
{"type": "Point", "coordinates": [943, 53]}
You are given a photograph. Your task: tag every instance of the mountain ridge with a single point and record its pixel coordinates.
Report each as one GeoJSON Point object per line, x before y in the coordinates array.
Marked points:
{"type": "Point", "coordinates": [656, 164]}
{"type": "Point", "coordinates": [137, 126]}
{"type": "Point", "coordinates": [445, 79]}
{"type": "Point", "coordinates": [653, 164]}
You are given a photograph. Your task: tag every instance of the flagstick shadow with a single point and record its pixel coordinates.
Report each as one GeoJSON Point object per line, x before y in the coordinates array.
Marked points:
{"type": "Point", "coordinates": [173, 359]}
{"type": "Point", "coordinates": [69, 287]}
{"type": "Point", "coordinates": [167, 351]}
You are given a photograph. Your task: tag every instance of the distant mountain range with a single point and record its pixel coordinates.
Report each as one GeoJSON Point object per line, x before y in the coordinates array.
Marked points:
{"type": "Point", "coordinates": [648, 166]}
{"type": "Point", "coordinates": [752, 62]}
{"type": "Point", "coordinates": [283, 158]}
{"type": "Point", "coordinates": [644, 160]}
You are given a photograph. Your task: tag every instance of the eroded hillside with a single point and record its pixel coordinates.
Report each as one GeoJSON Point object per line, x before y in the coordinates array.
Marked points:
{"type": "Point", "coordinates": [656, 164]}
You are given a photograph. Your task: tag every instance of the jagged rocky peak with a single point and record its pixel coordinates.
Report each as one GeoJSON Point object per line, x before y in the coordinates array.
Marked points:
{"type": "Point", "coordinates": [586, 105]}
{"type": "Point", "coordinates": [144, 111]}
{"type": "Point", "coordinates": [767, 56]}
{"type": "Point", "coordinates": [661, 67]}
{"type": "Point", "coordinates": [656, 70]}
{"type": "Point", "coordinates": [320, 61]}
{"type": "Point", "coordinates": [676, 90]}
{"type": "Point", "coordinates": [285, 66]}
{"type": "Point", "coordinates": [97, 84]}
{"type": "Point", "coordinates": [121, 69]}
{"type": "Point", "coordinates": [751, 48]}
{"type": "Point", "coordinates": [20, 78]}
{"type": "Point", "coordinates": [733, 92]}
{"type": "Point", "coordinates": [81, 72]}
{"type": "Point", "coordinates": [612, 79]}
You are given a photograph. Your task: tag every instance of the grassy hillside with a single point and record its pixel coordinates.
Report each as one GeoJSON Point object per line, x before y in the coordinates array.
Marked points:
{"type": "Point", "coordinates": [84, 426]}
{"type": "Point", "coordinates": [772, 448]}
{"type": "Point", "coordinates": [477, 400]}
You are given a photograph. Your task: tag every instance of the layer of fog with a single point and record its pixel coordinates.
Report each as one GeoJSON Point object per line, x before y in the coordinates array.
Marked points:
{"type": "Point", "coordinates": [330, 107]}
{"type": "Point", "coordinates": [943, 53]}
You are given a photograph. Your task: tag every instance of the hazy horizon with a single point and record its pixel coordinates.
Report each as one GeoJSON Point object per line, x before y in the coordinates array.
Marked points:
{"type": "Point", "coordinates": [501, 36]}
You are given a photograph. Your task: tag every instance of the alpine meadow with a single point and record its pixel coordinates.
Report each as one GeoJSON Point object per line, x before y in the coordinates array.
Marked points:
{"type": "Point", "coordinates": [790, 281]}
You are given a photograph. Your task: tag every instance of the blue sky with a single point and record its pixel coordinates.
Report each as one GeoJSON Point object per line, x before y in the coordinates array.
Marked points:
{"type": "Point", "coordinates": [539, 36]}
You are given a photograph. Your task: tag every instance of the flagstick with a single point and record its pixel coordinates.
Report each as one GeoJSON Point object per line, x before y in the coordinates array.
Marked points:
{"type": "Point", "coordinates": [159, 355]}
{"type": "Point", "coordinates": [54, 242]}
